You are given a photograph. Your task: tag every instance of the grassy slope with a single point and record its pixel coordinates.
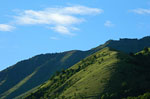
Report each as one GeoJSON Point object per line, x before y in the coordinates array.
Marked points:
{"type": "Point", "coordinates": [48, 64]}
{"type": "Point", "coordinates": [106, 74]}
{"type": "Point", "coordinates": [16, 79]}
{"type": "Point", "coordinates": [91, 80]}
{"type": "Point", "coordinates": [144, 96]}
{"type": "Point", "coordinates": [4, 95]}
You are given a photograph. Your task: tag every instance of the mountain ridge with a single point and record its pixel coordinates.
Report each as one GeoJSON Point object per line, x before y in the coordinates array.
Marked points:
{"type": "Point", "coordinates": [50, 63]}
{"type": "Point", "coordinates": [106, 74]}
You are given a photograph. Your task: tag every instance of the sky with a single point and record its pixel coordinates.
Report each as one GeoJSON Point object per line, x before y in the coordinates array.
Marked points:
{"type": "Point", "coordinates": [32, 27]}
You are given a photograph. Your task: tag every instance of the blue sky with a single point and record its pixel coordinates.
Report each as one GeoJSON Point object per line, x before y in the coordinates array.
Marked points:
{"type": "Point", "coordinates": [31, 27]}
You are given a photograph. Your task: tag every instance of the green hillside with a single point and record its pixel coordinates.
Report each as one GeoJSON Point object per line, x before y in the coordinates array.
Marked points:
{"type": "Point", "coordinates": [144, 96]}
{"type": "Point", "coordinates": [107, 74]}
{"type": "Point", "coordinates": [28, 74]}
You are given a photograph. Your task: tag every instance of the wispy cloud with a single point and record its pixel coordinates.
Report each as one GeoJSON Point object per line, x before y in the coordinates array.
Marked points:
{"type": "Point", "coordinates": [60, 19]}
{"type": "Point", "coordinates": [54, 38]}
{"type": "Point", "coordinates": [45, 17]}
{"type": "Point", "coordinates": [62, 30]}
{"type": "Point", "coordinates": [6, 27]}
{"type": "Point", "coordinates": [108, 24]}
{"type": "Point", "coordinates": [82, 10]}
{"type": "Point", "coordinates": [141, 11]}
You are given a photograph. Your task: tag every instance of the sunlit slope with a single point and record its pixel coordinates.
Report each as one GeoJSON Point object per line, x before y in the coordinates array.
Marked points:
{"type": "Point", "coordinates": [107, 74]}
{"type": "Point", "coordinates": [30, 73]}
{"type": "Point", "coordinates": [91, 80]}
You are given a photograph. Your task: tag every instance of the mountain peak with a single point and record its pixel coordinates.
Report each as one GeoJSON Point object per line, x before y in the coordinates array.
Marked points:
{"type": "Point", "coordinates": [127, 45]}
{"type": "Point", "coordinates": [36, 70]}
{"type": "Point", "coordinates": [145, 38]}
{"type": "Point", "coordinates": [106, 74]}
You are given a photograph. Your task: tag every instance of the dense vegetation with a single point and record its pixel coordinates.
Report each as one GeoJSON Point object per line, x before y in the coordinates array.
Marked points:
{"type": "Point", "coordinates": [59, 78]}
{"type": "Point", "coordinates": [30, 73]}
{"type": "Point", "coordinates": [144, 96]}
{"type": "Point", "coordinates": [108, 74]}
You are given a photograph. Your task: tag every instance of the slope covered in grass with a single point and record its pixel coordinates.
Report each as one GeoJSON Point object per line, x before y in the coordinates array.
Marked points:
{"type": "Point", "coordinates": [107, 74]}
{"type": "Point", "coordinates": [32, 72]}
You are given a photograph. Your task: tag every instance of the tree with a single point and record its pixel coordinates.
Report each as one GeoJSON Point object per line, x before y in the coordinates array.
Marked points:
{"type": "Point", "coordinates": [131, 54]}
{"type": "Point", "coordinates": [57, 73]}
{"type": "Point", "coordinates": [146, 49]}
{"type": "Point", "coordinates": [63, 71]}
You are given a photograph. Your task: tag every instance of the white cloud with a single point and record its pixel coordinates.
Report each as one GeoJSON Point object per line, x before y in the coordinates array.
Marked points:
{"type": "Point", "coordinates": [82, 10]}
{"type": "Point", "coordinates": [54, 38]}
{"type": "Point", "coordinates": [61, 19]}
{"type": "Point", "coordinates": [42, 17]}
{"type": "Point", "coordinates": [62, 30]}
{"type": "Point", "coordinates": [74, 28]}
{"type": "Point", "coordinates": [6, 27]}
{"type": "Point", "coordinates": [108, 24]}
{"type": "Point", "coordinates": [141, 11]}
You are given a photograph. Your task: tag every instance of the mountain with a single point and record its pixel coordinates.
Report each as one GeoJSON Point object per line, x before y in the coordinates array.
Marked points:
{"type": "Point", "coordinates": [107, 74]}
{"type": "Point", "coordinates": [127, 45]}
{"type": "Point", "coordinates": [30, 73]}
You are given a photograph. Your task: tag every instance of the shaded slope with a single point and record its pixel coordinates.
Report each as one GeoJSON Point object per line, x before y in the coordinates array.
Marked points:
{"type": "Point", "coordinates": [18, 78]}
{"type": "Point", "coordinates": [127, 45]}
{"type": "Point", "coordinates": [43, 67]}
{"type": "Point", "coordinates": [106, 74]}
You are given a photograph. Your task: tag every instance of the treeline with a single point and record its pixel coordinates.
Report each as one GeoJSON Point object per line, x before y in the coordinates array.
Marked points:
{"type": "Point", "coordinates": [58, 82]}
